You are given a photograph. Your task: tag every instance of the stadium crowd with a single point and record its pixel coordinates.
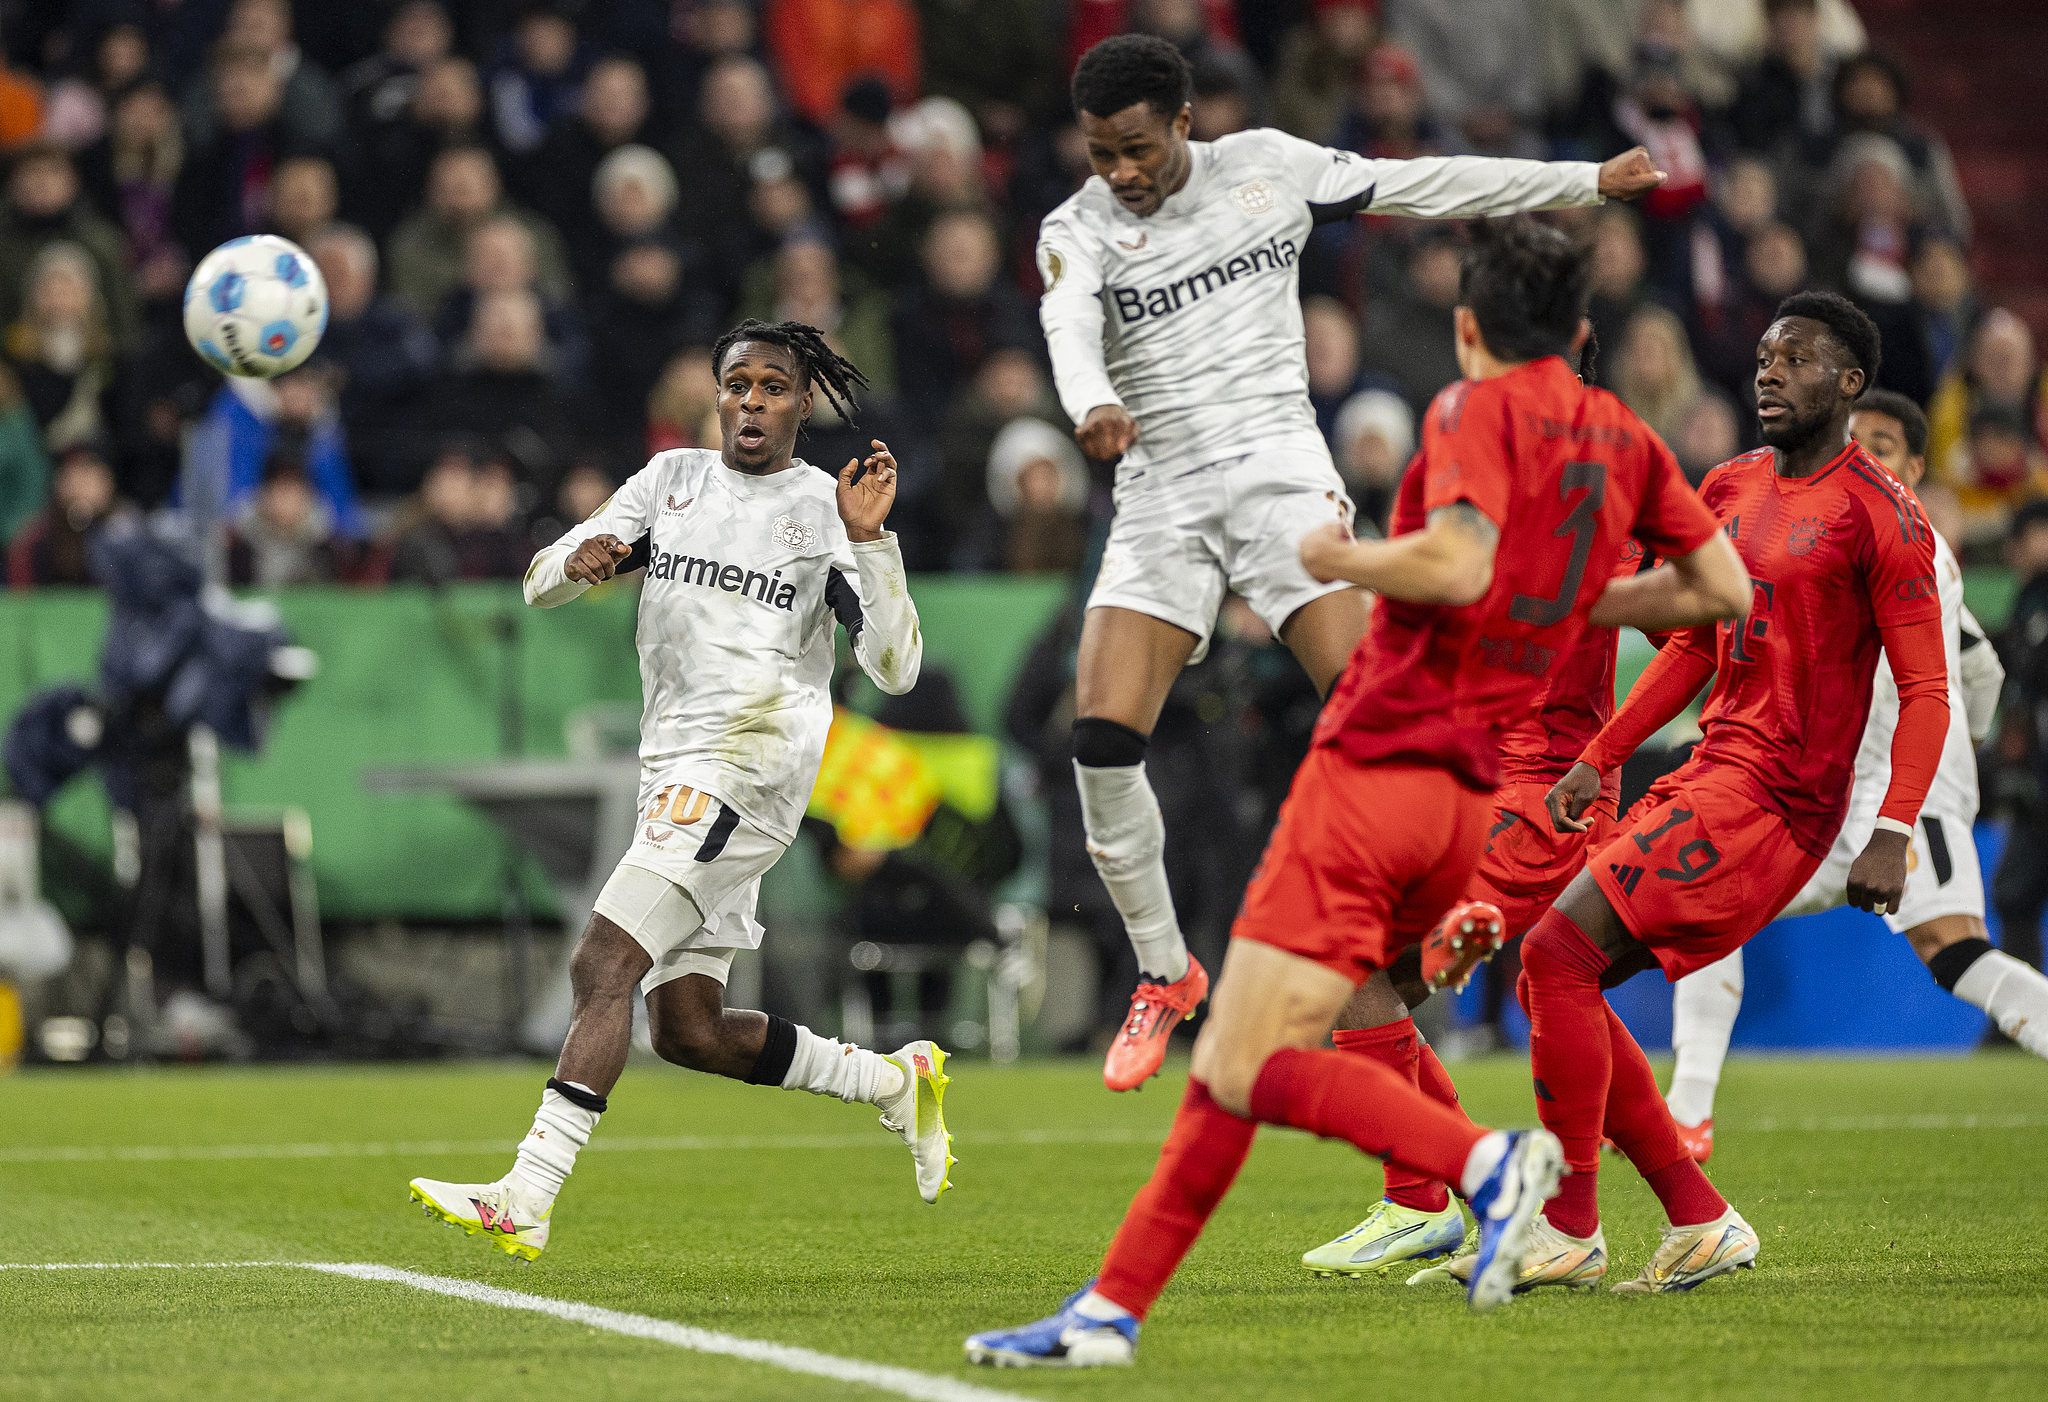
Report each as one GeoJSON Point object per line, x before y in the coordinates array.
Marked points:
{"type": "Point", "coordinates": [534, 218]}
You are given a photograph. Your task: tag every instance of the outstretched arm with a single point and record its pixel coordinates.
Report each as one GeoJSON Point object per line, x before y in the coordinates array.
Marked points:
{"type": "Point", "coordinates": [1666, 687]}
{"type": "Point", "coordinates": [1448, 561]}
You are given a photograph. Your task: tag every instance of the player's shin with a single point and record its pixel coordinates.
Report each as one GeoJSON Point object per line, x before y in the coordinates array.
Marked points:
{"type": "Point", "coordinates": [1642, 1128]}
{"type": "Point", "coordinates": [2014, 994]}
{"type": "Point", "coordinates": [1570, 1058]}
{"type": "Point", "coordinates": [1704, 1006]}
{"type": "Point", "coordinates": [1399, 1047]}
{"type": "Point", "coordinates": [796, 1058]}
{"type": "Point", "coordinates": [1127, 841]}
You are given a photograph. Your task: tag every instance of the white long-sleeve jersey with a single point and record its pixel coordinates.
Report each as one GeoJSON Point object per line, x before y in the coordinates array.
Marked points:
{"type": "Point", "coordinates": [1190, 317]}
{"type": "Point", "coordinates": [1974, 678]}
{"type": "Point", "coordinates": [745, 578]}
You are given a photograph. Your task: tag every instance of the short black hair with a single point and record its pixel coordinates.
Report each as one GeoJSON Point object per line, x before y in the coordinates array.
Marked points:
{"type": "Point", "coordinates": [1893, 71]}
{"type": "Point", "coordinates": [1894, 405]}
{"type": "Point", "coordinates": [2034, 513]}
{"type": "Point", "coordinates": [1848, 323]}
{"type": "Point", "coordinates": [816, 362]}
{"type": "Point", "coordinates": [1127, 69]}
{"type": "Point", "coordinates": [1528, 285]}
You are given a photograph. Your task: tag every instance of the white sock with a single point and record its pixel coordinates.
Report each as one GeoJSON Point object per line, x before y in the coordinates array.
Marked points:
{"type": "Point", "coordinates": [1093, 1306]}
{"type": "Point", "coordinates": [548, 1152]}
{"type": "Point", "coordinates": [1704, 1006]}
{"type": "Point", "coordinates": [1127, 839]}
{"type": "Point", "coordinates": [2013, 993]}
{"type": "Point", "coordinates": [823, 1066]}
{"type": "Point", "coordinates": [1481, 1162]}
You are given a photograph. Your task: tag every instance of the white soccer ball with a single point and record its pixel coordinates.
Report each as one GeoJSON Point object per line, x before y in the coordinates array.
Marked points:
{"type": "Point", "coordinates": [256, 306]}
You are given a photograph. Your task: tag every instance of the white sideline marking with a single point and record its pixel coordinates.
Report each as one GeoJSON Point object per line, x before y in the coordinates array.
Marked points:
{"type": "Point", "coordinates": [904, 1382]}
{"type": "Point", "coordinates": [681, 1143]}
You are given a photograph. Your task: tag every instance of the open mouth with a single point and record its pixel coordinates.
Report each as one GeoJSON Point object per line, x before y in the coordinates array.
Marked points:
{"type": "Point", "coordinates": [1771, 410]}
{"type": "Point", "coordinates": [1133, 196]}
{"type": "Point", "coordinates": [750, 436]}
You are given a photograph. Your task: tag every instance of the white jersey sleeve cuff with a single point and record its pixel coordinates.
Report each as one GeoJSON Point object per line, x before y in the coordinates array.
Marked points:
{"type": "Point", "coordinates": [1894, 825]}
{"type": "Point", "coordinates": [547, 582]}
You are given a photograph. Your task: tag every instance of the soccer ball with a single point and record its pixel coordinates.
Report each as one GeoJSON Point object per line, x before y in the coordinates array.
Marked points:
{"type": "Point", "coordinates": [256, 306]}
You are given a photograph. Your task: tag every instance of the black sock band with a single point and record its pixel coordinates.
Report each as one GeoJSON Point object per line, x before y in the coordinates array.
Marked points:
{"type": "Point", "coordinates": [778, 1052]}
{"type": "Point", "coordinates": [1948, 964]}
{"type": "Point", "coordinates": [577, 1095]}
{"type": "Point", "coordinates": [1107, 744]}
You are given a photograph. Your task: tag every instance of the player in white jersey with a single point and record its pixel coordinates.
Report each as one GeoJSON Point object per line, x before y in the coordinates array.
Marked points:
{"type": "Point", "coordinates": [1172, 313]}
{"type": "Point", "coordinates": [753, 556]}
{"type": "Point", "coordinates": [1942, 911]}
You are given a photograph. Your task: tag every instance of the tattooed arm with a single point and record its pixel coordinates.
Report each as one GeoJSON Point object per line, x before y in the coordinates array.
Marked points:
{"type": "Point", "coordinates": [1448, 561]}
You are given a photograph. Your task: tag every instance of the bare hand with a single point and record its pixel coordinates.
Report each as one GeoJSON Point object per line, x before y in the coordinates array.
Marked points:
{"type": "Point", "coordinates": [1323, 551]}
{"type": "Point", "coordinates": [1108, 432]}
{"type": "Point", "coordinates": [596, 559]}
{"type": "Point", "coordinates": [1572, 796]}
{"type": "Point", "coordinates": [1630, 174]}
{"type": "Point", "coordinates": [1877, 878]}
{"type": "Point", "coordinates": [864, 504]}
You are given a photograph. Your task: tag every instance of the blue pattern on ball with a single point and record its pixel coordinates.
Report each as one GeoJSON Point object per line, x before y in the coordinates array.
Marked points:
{"type": "Point", "coordinates": [277, 338]}
{"type": "Point", "coordinates": [226, 291]}
{"type": "Point", "coordinates": [288, 268]}
{"type": "Point", "coordinates": [215, 355]}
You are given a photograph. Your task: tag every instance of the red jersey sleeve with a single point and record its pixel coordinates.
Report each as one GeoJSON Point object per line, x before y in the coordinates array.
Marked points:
{"type": "Point", "coordinates": [1675, 675]}
{"type": "Point", "coordinates": [1465, 451]}
{"type": "Point", "coordinates": [1671, 519]}
{"type": "Point", "coordinates": [1898, 567]}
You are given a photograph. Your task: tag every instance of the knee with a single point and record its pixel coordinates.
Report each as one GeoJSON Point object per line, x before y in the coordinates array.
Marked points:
{"type": "Point", "coordinates": [684, 1038]}
{"type": "Point", "coordinates": [1554, 953]}
{"type": "Point", "coordinates": [607, 959]}
{"type": "Point", "coordinates": [1522, 988]}
{"type": "Point", "coordinates": [1107, 744]}
{"type": "Point", "coordinates": [1229, 1077]}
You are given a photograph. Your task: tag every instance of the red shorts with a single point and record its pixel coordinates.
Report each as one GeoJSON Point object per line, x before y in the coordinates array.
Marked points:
{"type": "Point", "coordinates": [1701, 865]}
{"type": "Point", "coordinates": [1365, 858]}
{"type": "Point", "coordinates": [1528, 862]}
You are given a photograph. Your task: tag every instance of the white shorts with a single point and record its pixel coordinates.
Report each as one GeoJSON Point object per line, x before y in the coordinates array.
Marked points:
{"type": "Point", "coordinates": [1943, 876]}
{"type": "Point", "coordinates": [687, 888]}
{"type": "Point", "coordinates": [1182, 535]}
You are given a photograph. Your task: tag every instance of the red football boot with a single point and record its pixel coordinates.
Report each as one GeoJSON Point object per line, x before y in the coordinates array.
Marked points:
{"type": "Point", "coordinates": [1698, 1139]}
{"type": "Point", "coordinates": [1140, 1046]}
{"type": "Point", "coordinates": [1470, 933]}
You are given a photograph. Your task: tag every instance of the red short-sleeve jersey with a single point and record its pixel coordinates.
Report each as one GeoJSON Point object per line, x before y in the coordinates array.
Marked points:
{"type": "Point", "coordinates": [1834, 558]}
{"type": "Point", "coordinates": [1568, 474]}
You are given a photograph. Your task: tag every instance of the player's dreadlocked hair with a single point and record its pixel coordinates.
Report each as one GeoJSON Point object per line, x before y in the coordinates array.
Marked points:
{"type": "Point", "coordinates": [817, 362]}
{"type": "Point", "coordinates": [1848, 325]}
{"type": "Point", "coordinates": [1528, 285]}
{"type": "Point", "coordinates": [1127, 69]}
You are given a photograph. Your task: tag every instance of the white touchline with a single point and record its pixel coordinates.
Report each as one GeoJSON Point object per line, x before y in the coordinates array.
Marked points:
{"type": "Point", "coordinates": [685, 1143]}
{"type": "Point", "coordinates": [904, 1382]}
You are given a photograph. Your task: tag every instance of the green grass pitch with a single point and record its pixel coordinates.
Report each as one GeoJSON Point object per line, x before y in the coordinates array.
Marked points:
{"type": "Point", "coordinates": [1901, 1204]}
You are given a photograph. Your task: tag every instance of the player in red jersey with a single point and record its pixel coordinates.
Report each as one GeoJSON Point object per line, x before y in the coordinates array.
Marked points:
{"type": "Point", "coordinates": [1529, 484]}
{"type": "Point", "coordinates": [1842, 561]}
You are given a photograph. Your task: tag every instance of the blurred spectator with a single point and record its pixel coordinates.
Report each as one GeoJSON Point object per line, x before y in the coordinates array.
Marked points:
{"type": "Point", "coordinates": [1011, 385]}
{"type": "Point", "coordinates": [1706, 435]}
{"type": "Point", "coordinates": [709, 32]}
{"type": "Point", "coordinates": [447, 112]}
{"type": "Point", "coordinates": [1332, 353]}
{"type": "Point", "coordinates": [2002, 369]}
{"type": "Point", "coordinates": [303, 198]}
{"type": "Point", "coordinates": [537, 76]}
{"type": "Point", "coordinates": [823, 46]}
{"type": "Point", "coordinates": [2019, 892]}
{"type": "Point", "coordinates": [44, 208]}
{"type": "Point", "coordinates": [1477, 72]}
{"type": "Point", "coordinates": [1874, 212]}
{"type": "Point", "coordinates": [21, 106]}
{"type": "Point", "coordinates": [945, 157]}
{"type": "Point", "coordinates": [1388, 117]}
{"type": "Point", "coordinates": [131, 175]}
{"type": "Point", "coordinates": [653, 303]}
{"type": "Point", "coordinates": [1870, 98]}
{"type": "Point", "coordinates": [293, 416]}
{"type": "Point", "coordinates": [1745, 199]}
{"type": "Point", "coordinates": [429, 252]}
{"type": "Point", "coordinates": [1735, 32]}
{"type": "Point", "coordinates": [1185, 25]}
{"type": "Point", "coordinates": [464, 524]}
{"type": "Point", "coordinates": [77, 108]}
{"type": "Point", "coordinates": [284, 533]}
{"type": "Point", "coordinates": [1409, 336]}
{"type": "Point", "coordinates": [1221, 104]}
{"type": "Point", "coordinates": [1038, 485]}
{"type": "Point", "coordinates": [804, 282]}
{"type": "Point", "coordinates": [1784, 99]}
{"type": "Point", "coordinates": [377, 91]}
{"type": "Point", "coordinates": [611, 113]}
{"type": "Point", "coordinates": [24, 465]}
{"type": "Point", "coordinates": [1656, 112]}
{"type": "Point", "coordinates": [2003, 469]}
{"type": "Point", "coordinates": [1619, 286]}
{"type": "Point", "coordinates": [946, 326]}
{"type": "Point", "coordinates": [50, 547]}
{"type": "Point", "coordinates": [1924, 336]}
{"type": "Point", "coordinates": [307, 105]}
{"type": "Point", "coordinates": [1319, 61]}
{"type": "Point", "coordinates": [1773, 268]}
{"type": "Point", "coordinates": [60, 348]}
{"type": "Point", "coordinates": [870, 172]}
{"type": "Point", "coordinates": [383, 359]}
{"type": "Point", "coordinates": [501, 256]}
{"type": "Point", "coordinates": [1653, 371]}
{"type": "Point", "coordinates": [504, 394]}
{"type": "Point", "coordinates": [635, 190]}
{"type": "Point", "coordinates": [682, 408]}
{"type": "Point", "coordinates": [740, 144]}
{"type": "Point", "coordinates": [223, 186]}
{"type": "Point", "coordinates": [996, 58]}
{"type": "Point", "coordinates": [1372, 440]}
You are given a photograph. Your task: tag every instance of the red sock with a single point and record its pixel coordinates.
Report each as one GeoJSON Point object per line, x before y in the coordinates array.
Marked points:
{"type": "Point", "coordinates": [1397, 1047]}
{"type": "Point", "coordinates": [1203, 1152]}
{"type": "Point", "coordinates": [1341, 1096]}
{"type": "Point", "coordinates": [1570, 1054]}
{"type": "Point", "coordinates": [1688, 1198]}
{"type": "Point", "coordinates": [1638, 1121]}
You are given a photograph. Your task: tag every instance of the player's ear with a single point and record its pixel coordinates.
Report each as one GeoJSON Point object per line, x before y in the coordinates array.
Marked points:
{"type": "Point", "coordinates": [1581, 336]}
{"type": "Point", "coordinates": [1184, 120]}
{"type": "Point", "coordinates": [803, 408]}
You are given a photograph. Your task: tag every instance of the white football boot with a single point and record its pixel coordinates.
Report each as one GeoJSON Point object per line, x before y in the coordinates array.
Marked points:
{"type": "Point", "coordinates": [918, 1114]}
{"type": "Point", "coordinates": [1690, 1256]}
{"type": "Point", "coordinates": [500, 1211]}
{"type": "Point", "coordinates": [1550, 1258]}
